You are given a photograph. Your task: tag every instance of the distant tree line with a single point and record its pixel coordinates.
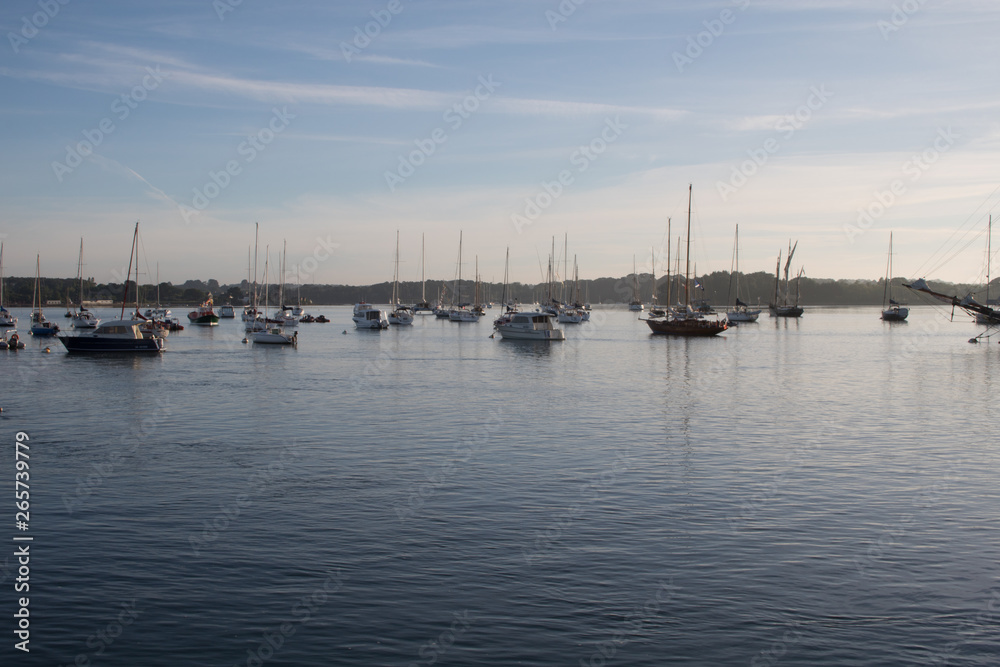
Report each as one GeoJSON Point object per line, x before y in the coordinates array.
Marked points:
{"type": "Point", "coordinates": [714, 287]}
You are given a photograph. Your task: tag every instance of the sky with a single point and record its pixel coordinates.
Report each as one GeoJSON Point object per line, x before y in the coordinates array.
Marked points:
{"type": "Point", "coordinates": [333, 125]}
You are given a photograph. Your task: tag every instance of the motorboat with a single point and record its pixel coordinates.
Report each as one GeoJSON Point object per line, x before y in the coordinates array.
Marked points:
{"type": "Point", "coordinates": [367, 316]}
{"type": "Point", "coordinates": [113, 336]}
{"type": "Point", "coordinates": [9, 340]}
{"type": "Point", "coordinates": [204, 314]}
{"type": "Point", "coordinates": [534, 325]}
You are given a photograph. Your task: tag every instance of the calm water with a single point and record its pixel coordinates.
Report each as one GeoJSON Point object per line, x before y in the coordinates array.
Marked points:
{"type": "Point", "coordinates": [813, 492]}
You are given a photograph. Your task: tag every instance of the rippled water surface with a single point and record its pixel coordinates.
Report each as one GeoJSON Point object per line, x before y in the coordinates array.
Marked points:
{"type": "Point", "coordinates": [812, 492]}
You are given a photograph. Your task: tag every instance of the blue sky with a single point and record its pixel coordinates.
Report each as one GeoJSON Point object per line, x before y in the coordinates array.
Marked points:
{"type": "Point", "coordinates": [830, 122]}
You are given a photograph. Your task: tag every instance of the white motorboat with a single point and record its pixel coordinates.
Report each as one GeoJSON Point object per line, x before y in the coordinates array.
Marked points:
{"type": "Point", "coordinates": [367, 316]}
{"type": "Point", "coordinates": [462, 315]}
{"type": "Point", "coordinates": [534, 325]}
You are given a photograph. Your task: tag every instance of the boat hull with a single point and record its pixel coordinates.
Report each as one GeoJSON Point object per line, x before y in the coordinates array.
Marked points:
{"type": "Point", "coordinates": [273, 338]}
{"type": "Point", "coordinates": [515, 333]}
{"type": "Point", "coordinates": [786, 311]}
{"type": "Point", "coordinates": [686, 327]}
{"type": "Point", "coordinates": [92, 344]}
{"type": "Point", "coordinates": [738, 316]}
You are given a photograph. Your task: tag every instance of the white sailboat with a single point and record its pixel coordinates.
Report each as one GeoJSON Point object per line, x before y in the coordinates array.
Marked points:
{"type": "Point", "coordinates": [400, 315]}
{"type": "Point", "coordinates": [460, 313]}
{"type": "Point", "coordinates": [740, 311]}
{"type": "Point", "coordinates": [252, 317]}
{"type": "Point", "coordinates": [83, 318]}
{"type": "Point", "coordinates": [892, 311]}
{"type": "Point", "coordinates": [424, 307]}
{"type": "Point", "coordinates": [285, 317]}
{"type": "Point", "coordinates": [274, 335]}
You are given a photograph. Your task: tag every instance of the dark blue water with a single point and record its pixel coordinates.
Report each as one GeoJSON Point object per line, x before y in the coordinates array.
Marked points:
{"type": "Point", "coordinates": [813, 492]}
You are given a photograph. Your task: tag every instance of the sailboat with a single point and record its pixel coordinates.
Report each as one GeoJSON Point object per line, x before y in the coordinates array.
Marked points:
{"type": "Point", "coordinates": [654, 309]}
{"type": "Point", "coordinates": [740, 312]}
{"type": "Point", "coordinates": [399, 315]}
{"type": "Point", "coordinates": [83, 318]}
{"type": "Point", "coordinates": [121, 335]}
{"type": "Point", "coordinates": [39, 325]}
{"type": "Point", "coordinates": [687, 323]}
{"type": "Point", "coordinates": [6, 320]}
{"type": "Point", "coordinates": [981, 318]}
{"type": "Point", "coordinates": [273, 335]}
{"type": "Point", "coordinates": [895, 312]}
{"type": "Point", "coordinates": [424, 306]}
{"type": "Point", "coordinates": [636, 303]}
{"type": "Point", "coordinates": [253, 318]}
{"type": "Point", "coordinates": [780, 306]}
{"type": "Point", "coordinates": [570, 313]}
{"type": "Point", "coordinates": [460, 313]}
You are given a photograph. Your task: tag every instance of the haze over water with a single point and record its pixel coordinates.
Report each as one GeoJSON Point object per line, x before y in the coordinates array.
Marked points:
{"type": "Point", "coordinates": [811, 492]}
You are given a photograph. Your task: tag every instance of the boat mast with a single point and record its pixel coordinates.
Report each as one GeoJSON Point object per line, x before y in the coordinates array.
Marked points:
{"type": "Point", "coordinates": [777, 278]}
{"type": "Point", "coordinates": [989, 238]}
{"type": "Point", "coordinates": [135, 237]}
{"type": "Point", "coordinates": [687, 256]}
{"type": "Point", "coordinates": [395, 275]}
{"type": "Point", "coordinates": [668, 263]}
{"type": "Point", "coordinates": [256, 296]}
{"type": "Point", "coordinates": [34, 294]}
{"type": "Point", "coordinates": [423, 282]}
{"type": "Point", "coordinates": [458, 292]}
{"type": "Point", "coordinates": [886, 290]}
{"type": "Point", "coordinates": [652, 259]}
{"type": "Point", "coordinates": [736, 266]}
{"type": "Point", "coordinates": [79, 270]}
